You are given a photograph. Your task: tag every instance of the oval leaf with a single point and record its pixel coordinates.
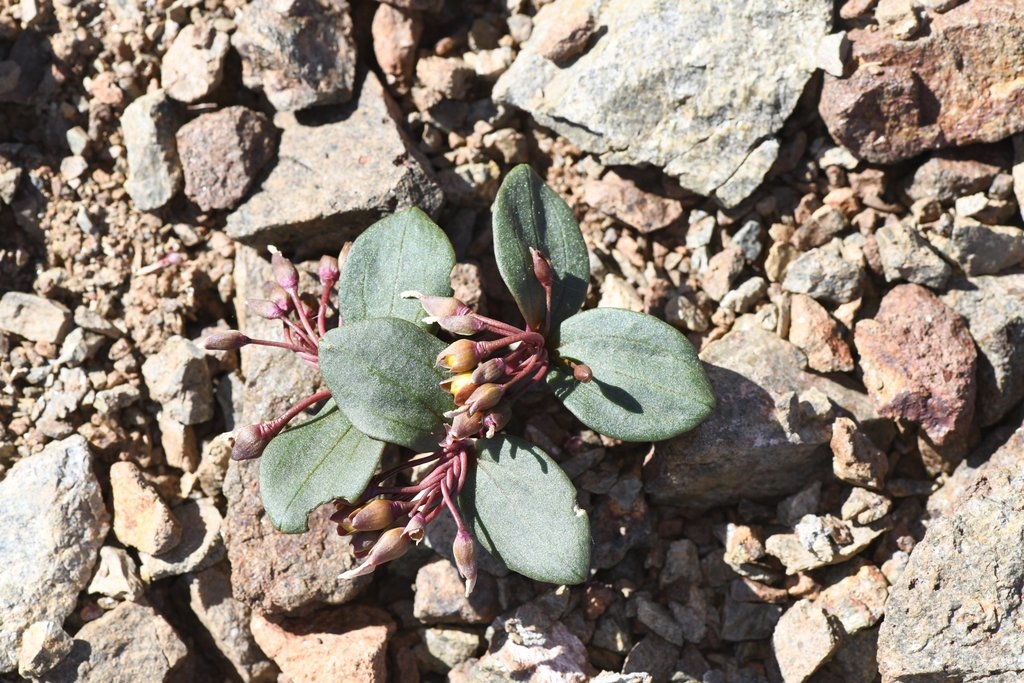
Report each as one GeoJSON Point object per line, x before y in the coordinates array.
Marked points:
{"type": "Point", "coordinates": [648, 383]}
{"type": "Point", "coordinates": [405, 251]}
{"type": "Point", "coordinates": [522, 509]}
{"type": "Point", "coordinates": [320, 460]}
{"type": "Point", "coordinates": [382, 375]}
{"type": "Point", "coordinates": [528, 213]}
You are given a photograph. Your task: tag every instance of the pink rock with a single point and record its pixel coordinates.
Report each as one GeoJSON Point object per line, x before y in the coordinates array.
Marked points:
{"type": "Point", "coordinates": [817, 334]}
{"type": "Point", "coordinates": [396, 35]}
{"type": "Point", "coordinates": [348, 644]}
{"type": "Point", "coordinates": [623, 200]}
{"type": "Point", "coordinates": [953, 86]}
{"type": "Point", "coordinates": [919, 363]}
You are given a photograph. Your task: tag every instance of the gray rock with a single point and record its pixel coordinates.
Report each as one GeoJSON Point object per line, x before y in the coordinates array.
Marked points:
{"type": "Point", "coordinates": [279, 573]}
{"type": "Point", "coordinates": [981, 249]}
{"type": "Point", "coordinates": [857, 602]}
{"type": "Point", "coordinates": [906, 256]}
{"type": "Point", "coordinates": [855, 661]}
{"type": "Point", "coordinates": [994, 309]}
{"type": "Point", "coordinates": [804, 639]}
{"type": "Point", "coordinates": [748, 620]}
{"type": "Point", "coordinates": [653, 656]}
{"type": "Point", "coordinates": [52, 522]}
{"type": "Point", "coordinates": [178, 378]}
{"type": "Point", "coordinates": [443, 649]}
{"type": "Point", "coordinates": [227, 622]}
{"type": "Point", "coordinates": [649, 88]}
{"type": "Point", "coordinates": [43, 644]}
{"type": "Point", "coordinates": [337, 172]}
{"type": "Point", "coordinates": [154, 173]}
{"type": "Point", "coordinates": [129, 643]}
{"type": "Point", "coordinates": [768, 439]}
{"type": "Point", "coordinates": [953, 173]}
{"type": "Point", "coordinates": [823, 275]}
{"type": "Point", "coordinates": [682, 562]}
{"type": "Point", "coordinates": [658, 619]}
{"type": "Point", "coordinates": [201, 545]}
{"type": "Point", "coordinates": [193, 66]}
{"type": "Point", "coordinates": [953, 612]}
{"type": "Point", "coordinates": [813, 546]}
{"type": "Point", "coordinates": [34, 317]}
{"type": "Point", "coordinates": [117, 576]}
{"type": "Point", "coordinates": [300, 53]}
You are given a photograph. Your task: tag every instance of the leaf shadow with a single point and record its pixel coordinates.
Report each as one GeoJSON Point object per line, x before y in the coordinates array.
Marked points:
{"type": "Point", "coordinates": [514, 453]}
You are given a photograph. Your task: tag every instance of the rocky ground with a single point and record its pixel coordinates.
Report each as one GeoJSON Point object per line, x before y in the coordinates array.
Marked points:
{"type": "Point", "coordinates": [825, 198]}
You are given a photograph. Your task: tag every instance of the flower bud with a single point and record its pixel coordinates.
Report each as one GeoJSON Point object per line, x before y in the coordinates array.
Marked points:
{"type": "Point", "coordinates": [438, 306]}
{"type": "Point", "coordinates": [415, 529]}
{"type": "Point", "coordinates": [466, 426]}
{"type": "Point", "coordinates": [582, 373]}
{"type": "Point", "coordinates": [265, 309]}
{"type": "Point", "coordinates": [249, 443]}
{"type": "Point", "coordinates": [463, 325]}
{"type": "Point", "coordinates": [485, 397]}
{"type": "Point", "coordinates": [495, 420]}
{"type": "Point", "coordinates": [465, 558]}
{"type": "Point", "coordinates": [460, 356]}
{"type": "Point", "coordinates": [457, 383]}
{"type": "Point", "coordinates": [229, 340]}
{"type": "Point", "coordinates": [328, 271]}
{"type": "Point", "coordinates": [280, 298]}
{"type": "Point", "coordinates": [284, 271]}
{"type": "Point", "coordinates": [391, 545]}
{"type": "Point", "coordinates": [363, 542]}
{"type": "Point", "coordinates": [376, 515]}
{"type": "Point", "coordinates": [489, 371]}
{"type": "Point", "coordinates": [541, 267]}
{"type": "Point", "coordinates": [342, 511]}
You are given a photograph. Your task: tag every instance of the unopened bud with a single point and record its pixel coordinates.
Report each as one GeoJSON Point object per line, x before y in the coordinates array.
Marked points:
{"type": "Point", "coordinates": [416, 528]}
{"type": "Point", "coordinates": [464, 551]}
{"type": "Point", "coordinates": [284, 271]}
{"type": "Point", "coordinates": [342, 511]}
{"type": "Point", "coordinates": [541, 267]}
{"type": "Point", "coordinates": [363, 542]}
{"type": "Point", "coordinates": [460, 356]}
{"type": "Point", "coordinates": [265, 309]}
{"type": "Point", "coordinates": [376, 515]}
{"type": "Point", "coordinates": [582, 373]}
{"type": "Point", "coordinates": [465, 426]}
{"type": "Point", "coordinates": [485, 397]}
{"type": "Point", "coordinates": [391, 545]}
{"type": "Point", "coordinates": [280, 298]}
{"type": "Point", "coordinates": [495, 420]}
{"type": "Point", "coordinates": [328, 271]}
{"type": "Point", "coordinates": [438, 306]}
{"type": "Point", "coordinates": [249, 443]}
{"type": "Point", "coordinates": [226, 341]}
{"type": "Point", "coordinates": [457, 383]}
{"type": "Point", "coordinates": [489, 371]}
{"type": "Point", "coordinates": [463, 325]}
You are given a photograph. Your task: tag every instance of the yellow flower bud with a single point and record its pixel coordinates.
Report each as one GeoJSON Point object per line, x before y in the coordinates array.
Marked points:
{"type": "Point", "coordinates": [460, 356]}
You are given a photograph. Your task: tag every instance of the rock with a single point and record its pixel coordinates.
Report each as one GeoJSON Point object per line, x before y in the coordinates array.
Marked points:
{"type": "Point", "coordinates": [806, 501]}
{"type": "Point", "coordinates": [441, 78]}
{"type": "Point", "coordinates": [52, 522]}
{"type": "Point", "coordinates": [34, 317]}
{"type": "Point", "coordinates": [682, 313]}
{"type": "Point", "coordinates": [347, 644]}
{"type": "Point", "coordinates": [142, 519]}
{"type": "Point", "coordinates": [855, 661]}
{"type": "Point", "coordinates": [193, 66]}
{"type": "Point", "coordinates": [129, 643]}
{"type": "Point", "coordinates": [43, 644]}
{"type": "Point", "coordinates": [445, 648]}
{"type": "Point", "coordinates": [769, 439]}
{"type": "Point", "coordinates": [745, 296]}
{"type": "Point", "coordinates": [804, 639]}
{"type": "Point", "coordinates": [227, 622]}
{"type": "Point", "coordinates": [864, 507]}
{"type": "Point", "coordinates": [338, 171]}
{"type": "Point", "coordinates": [300, 53]}
{"type": "Point", "coordinates": [682, 563]}
{"type": "Point", "coordinates": [856, 602]}
{"type": "Point", "coordinates": [154, 172]}
{"type": "Point", "coordinates": [748, 239]}
{"type": "Point", "coordinates": [200, 545]}
{"type": "Point", "coordinates": [615, 196]}
{"type": "Point", "coordinates": [951, 613]}
{"type": "Point", "coordinates": [658, 619]}
{"type": "Point", "coordinates": [117, 576]}
{"type": "Point", "coordinates": [179, 443]}
{"type": "Point", "coordinates": [981, 249]}
{"type": "Point", "coordinates": [813, 544]}
{"type": "Point", "coordinates": [824, 275]}
{"type": "Point", "coordinates": [907, 256]}
{"type": "Point", "coordinates": [222, 153]}
{"type": "Point", "coordinates": [722, 270]}
{"type": "Point", "coordinates": [743, 621]}
{"type": "Point", "coordinates": [919, 363]}
{"type": "Point", "coordinates": [817, 334]}
{"type": "Point", "coordinates": [570, 26]}
{"type": "Point", "coordinates": [903, 97]}
{"type": "Point", "coordinates": [669, 61]}
{"type": "Point", "coordinates": [826, 223]}
{"type": "Point", "coordinates": [953, 173]}
{"type": "Point", "coordinates": [653, 656]}
{"type": "Point", "coordinates": [441, 596]}
{"type": "Point", "coordinates": [993, 307]}
{"type": "Point", "coordinates": [396, 35]}
{"type": "Point", "coordinates": [178, 378]}
{"type": "Point", "coordinates": [617, 293]}
{"type": "Point", "coordinates": [282, 573]}
{"type": "Point", "coordinates": [855, 459]}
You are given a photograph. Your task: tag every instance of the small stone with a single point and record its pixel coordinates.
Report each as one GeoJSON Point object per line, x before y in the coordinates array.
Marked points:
{"type": "Point", "coordinates": [743, 298]}
{"type": "Point", "coordinates": [659, 620]}
{"type": "Point", "coordinates": [509, 144]}
{"type": "Point", "coordinates": [179, 379]}
{"type": "Point", "coordinates": [73, 167]}
{"type": "Point", "coordinates": [905, 255]}
{"type": "Point", "coordinates": [792, 509]}
{"type": "Point", "coordinates": [826, 223]}
{"type": "Point", "coordinates": [142, 519]}
{"type": "Point", "coordinates": [43, 644]}
{"type": "Point", "coordinates": [864, 507]}
{"type": "Point", "coordinates": [77, 139]}
{"type": "Point", "coordinates": [444, 77]}
{"type": "Point", "coordinates": [858, 601]}
{"type": "Point", "coordinates": [981, 249]}
{"type": "Point", "coordinates": [791, 549]}
{"type": "Point", "coordinates": [179, 443]}
{"type": "Point", "coordinates": [742, 546]}
{"type": "Point", "coordinates": [950, 174]}
{"type": "Point", "coordinates": [570, 29]}
{"type": "Point", "coordinates": [743, 621]}
{"type": "Point", "coordinates": [824, 276]}
{"type": "Point", "coordinates": [300, 53]}
{"type": "Point", "coordinates": [441, 596]}
{"type": "Point", "coordinates": [652, 657]}
{"type": "Point", "coordinates": [723, 268]}
{"type": "Point", "coordinates": [817, 334]}
{"type": "Point", "coordinates": [615, 196]}
{"type": "Point", "coordinates": [682, 563]}
{"type": "Point", "coordinates": [116, 576]}
{"type": "Point", "coordinates": [832, 52]}
{"type": "Point", "coordinates": [804, 638]}
{"type": "Point", "coordinates": [682, 313]}
{"type": "Point", "coordinates": [154, 172]}
{"type": "Point", "coordinates": [855, 459]}
{"type": "Point", "coordinates": [201, 545]}
{"type": "Point", "coordinates": [445, 648]}
{"type": "Point", "coordinates": [617, 293]}
{"type": "Point", "coordinates": [34, 317]}
{"type": "Point", "coordinates": [193, 66]}
{"type": "Point", "coordinates": [396, 36]}
{"type": "Point", "coordinates": [748, 240]}
{"type": "Point", "coordinates": [898, 17]}
{"type": "Point", "coordinates": [108, 402]}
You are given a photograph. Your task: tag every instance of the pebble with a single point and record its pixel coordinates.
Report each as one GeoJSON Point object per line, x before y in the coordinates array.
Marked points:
{"type": "Point", "coordinates": [653, 657]}
{"type": "Point", "coordinates": [981, 249]}
{"type": "Point", "coordinates": [748, 239]}
{"type": "Point", "coordinates": [52, 523]}
{"type": "Point", "coordinates": [109, 402]}
{"type": "Point", "coordinates": [948, 174]}
{"type": "Point", "coordinates": [817, 334]}
{"type": "Point", "coordinates": [179, 443]}
{"type": "Point", "coordinates": [34, 317]}
{"type": "Point", "coordinates": [857, 601]}
{"type": "Point", "coordinates": [682, 563]}
{"type": "Point", "coordinates": [178, 378]}
{"type": "Point", "coordinates": [806, 501]}
{"type": "Point", "coordinates": [116, 576]}
{"type": "Point", "coordinates": [792, 550]}
{"type": "Point", "coordinates": [154, 172]}
{"type": "Point", "coordinates": [567, 32]}
{"type": "Point", "coordinates": [658, 619]}
{"type": "Point", "coordinates": [396, 36]}
{"type": "Point", "coordinates": [723, 268]}
{"type": "Point", "coordinates": [906, 256]}
{"type": "Point", "coordinates": [855, 459]}
{"type": "Point", "coordinates": [804, 638]}
{"type": "Point", "coordinates": [826, 223]}
{"type": "Point", "coordinates": [201, 545]}
{"type": "Point", "coordinates": [300, 53]}
{"type": "Point", "coordinates": [682, 313]}
{"type": "Point", "coordinates": [193, 66]}
{"type": "Point", "coordinates": [222, 153]}
{"type": "Point", "coordinates": [863, 507]}
{"type": "Point", "coordinates": [824, 276]}
{"type": "Point", "coordinates": [43, 645]}
{"type": "Point", "coordinates": [743, 621]}
{"type": "Point", "coordinates": [142, 520]}
{"type": "Point", "coordinates": [919, 362]}
{"type": "Point", "coordinates": [743, 298]}
{"type": "Point", "coordinates": [621, 199]}
{"type": "Point", "coordinates": [441, 596]}
{"type": "Point", "coordinates": [443, 649]}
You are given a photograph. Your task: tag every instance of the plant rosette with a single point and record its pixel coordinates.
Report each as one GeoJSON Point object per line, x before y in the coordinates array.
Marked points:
{"type": "Point", "coordinates": [391, 379]}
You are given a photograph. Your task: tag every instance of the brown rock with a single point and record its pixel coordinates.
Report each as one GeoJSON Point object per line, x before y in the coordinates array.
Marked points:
{"type": "Point", "coordinates": [817, 334]}
{"type": "Point", "coordinates": [441, 596]}
{"type": "Point", "coordinates": [142, 519]}
{"type": "Point", "coordinates": [824, 224]}
{"type": "Point", "coordinates": [805, 637]}
{"type": "Point", "coordinates": [722, 270]}
{"type": "Point", "coordinates": [422, 5]}
{"type": "Point", "coordinates": [193, 66]}
{"type": "Point", "coordinates": [905, 97]}
{"type": "Point", "coordinates": [179, 443]}
{"type": "Point", "coordinates": [34, 317]}
{"type": "Point", "coordinates": [857, 601]}
{"type": "Point", "coordinates": [572, 27]}
{"type": "Point", "coordinates": [396, 36]}
{"type": "Point", "coordinates": [201, 544]}
{"type": "Point", "coordinates": [347, 644]}
{"type": "Point", "coordinates": [282, 573]}
{"type": "Point", "coordinates": [621, 199]}
{"type": "Point", "coordinates": [854, 458]}
{"type": "Point", "coordinates": [221, 154]}
{"type": "Point", "coordinates": [954, 173]}
{"type": "Point", "coordinates": [919, 363]}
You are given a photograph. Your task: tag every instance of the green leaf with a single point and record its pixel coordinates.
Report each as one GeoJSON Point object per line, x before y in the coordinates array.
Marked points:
{"type": "Point", "coordinates": [528, 213]}
{"type": "Point", "coordinates": [522, 509]}
{"type": "Point", "coordinates": [316, 462]}
{"type": "Point", "coordinates": [382, 375]}
{"type": "Point", "coordinates": [648, 383]}
{"type": "Point", "coordinates": [405, 251]}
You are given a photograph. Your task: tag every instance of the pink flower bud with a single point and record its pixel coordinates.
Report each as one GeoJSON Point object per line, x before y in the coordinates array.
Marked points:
{"type": "Point", "coordinates": [582, 373]}
{"type": "Point", "coordinates": [226, 341]}
{"type": "Point", "coordinates": [280, 298]}
{"type": "Point", "coordinates": [489, 371]}
{"type": "Point", "coordinates": [485, 397]}
{"type": "Point", "coordinates": [438, 306]}
{"type": "Point", "coordinates": [376, 515]}
{"type": "Point", "coordinates": [541, 267]}
{"type": "Point", "coordinates": [249, 443]}
{"type": "Point", "coordinates": [284, 271]}
{"type": "Point", "coordinates": [460, 356]}
{"type": "Point", "coordinates": [265, 309]}
{"type": "Point", "coordinates": [465, 558]}
{"type": "Point", "coordinates": [416, 527]}
{"type": "Point", "coordinates": [466, 426]}
{"type": "Point", "coordinates": [463, 325]}
{"type": "Point", "coordinates": [495, 420]}
{"type": "Point", "coordinates": [328, 271]}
